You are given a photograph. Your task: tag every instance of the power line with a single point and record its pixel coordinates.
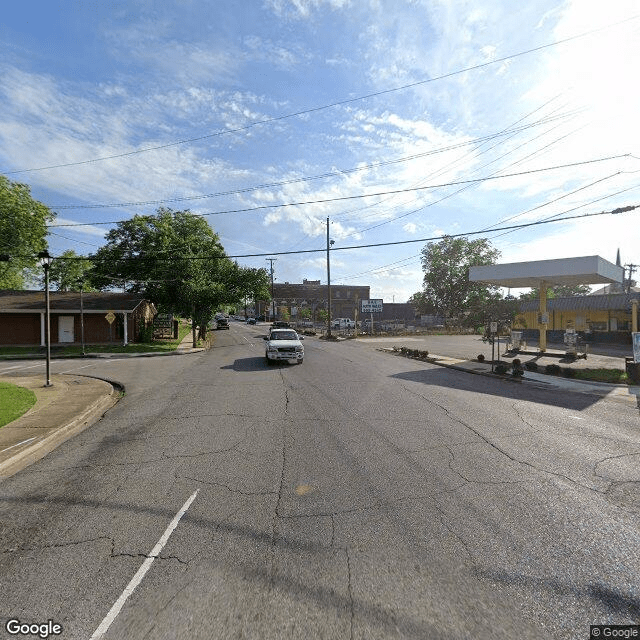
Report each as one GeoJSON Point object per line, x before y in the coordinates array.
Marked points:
{"type": "Point", "coordinates": [141, 255]}
{"type": "Point", "coordinates": [509, 132]}
{"type": "Point", "coordinates": [328, 106]}
{"type": "Point", "coordinates": [370, 195]}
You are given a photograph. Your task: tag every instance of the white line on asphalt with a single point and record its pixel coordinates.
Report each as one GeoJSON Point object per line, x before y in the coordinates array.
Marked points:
{"type": "Point", "coordinates": [19, 443]}
{"type": "Point", "coordinates": [137, 579]}
{"type": "Point", "coordinates": [19, 366]}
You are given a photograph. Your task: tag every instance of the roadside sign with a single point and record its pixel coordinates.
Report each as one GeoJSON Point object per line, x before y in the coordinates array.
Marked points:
{"type": "Point", "coordinates": [635, 338]}
{"type": "Point", "coordinates": [493, 327]}
{"type": "Point", "coordinates": [110, 317]}
{"type": "Point", "coordinates": [371, 306]}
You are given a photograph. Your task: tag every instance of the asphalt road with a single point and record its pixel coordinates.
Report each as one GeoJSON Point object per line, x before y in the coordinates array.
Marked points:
{"type": "Point", "coordinates": [358, 495]}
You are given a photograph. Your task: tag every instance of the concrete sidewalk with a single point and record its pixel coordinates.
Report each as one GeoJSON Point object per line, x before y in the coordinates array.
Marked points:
{"type": "Point", "coordinates": [622, 392]}
{"type": "Point", "coordinates": [70, 405]}
{"type": "Point", "coordinates": [61, 411]}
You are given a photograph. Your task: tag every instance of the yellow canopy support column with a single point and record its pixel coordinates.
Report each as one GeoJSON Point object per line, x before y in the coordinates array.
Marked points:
{"type": "Point", "coordinates": [543, 313]}
{"type": "Point", "coordinates": [634, 314]}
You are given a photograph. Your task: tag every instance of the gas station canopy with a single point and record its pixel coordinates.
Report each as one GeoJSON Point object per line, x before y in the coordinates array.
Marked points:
{"type": "Point", "coordinates": [564, 271]}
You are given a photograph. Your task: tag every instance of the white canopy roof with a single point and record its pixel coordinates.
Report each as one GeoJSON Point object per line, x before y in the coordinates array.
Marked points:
{"type": "Point", "coordinates": [564, 271]}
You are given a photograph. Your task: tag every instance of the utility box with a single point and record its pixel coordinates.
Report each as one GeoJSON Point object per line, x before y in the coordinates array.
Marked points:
{"type": "Point", "coordinates": [571, 342]}
{"type": "Point", "coordinates": [516, 341]}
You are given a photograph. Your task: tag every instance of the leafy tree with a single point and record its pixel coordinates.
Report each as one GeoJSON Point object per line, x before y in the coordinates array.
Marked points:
{"type": "Point", "coordinates": [558, 291]}
{"type": "Point", "coordinates": [421, 304]}
{"type": "Point", "coordinates": [69, 271]}
{"type": "Point", "coordinates": [23, 232]}
{"type": "Point", "coordinates": [176, 260]}
{"type": "Point", "coordinates": [446, 285]}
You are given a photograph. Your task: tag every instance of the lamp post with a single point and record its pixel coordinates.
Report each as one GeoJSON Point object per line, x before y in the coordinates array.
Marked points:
{"type": "Point", "coordinates": [329, 244]}
{"type": "Point", "coordinates": [45, 261]}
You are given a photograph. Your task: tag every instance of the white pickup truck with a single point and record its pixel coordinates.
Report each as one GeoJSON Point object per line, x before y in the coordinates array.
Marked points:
{"type": "Point", "coordinates": [284, 344]}
{"type": "Point", "coordinates": [343, 323]}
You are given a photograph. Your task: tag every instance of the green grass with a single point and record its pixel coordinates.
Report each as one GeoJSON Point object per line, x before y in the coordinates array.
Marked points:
{"type": "Point", "coordinates": [602, 375]}
{"type": "Point", "coordinates": [14, 401]}
{"type": "Point", "coordinates": [157, 346]}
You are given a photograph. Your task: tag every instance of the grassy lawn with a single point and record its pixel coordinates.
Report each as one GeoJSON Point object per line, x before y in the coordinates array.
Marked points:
{"type": "Point", "coordinates": [14, 401]}
{"type": "Point", "coordinates": [603, 375]}
{"type": "Point", "coordinates": [157, 346]}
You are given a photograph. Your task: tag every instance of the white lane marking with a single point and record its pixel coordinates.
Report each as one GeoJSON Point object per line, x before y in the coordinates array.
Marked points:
{"type": "Point", "coordinates": [33, 366]}
{"type": "Point", "coordinates": [137, 579]}
{"type": "Point", "coordinates": [19, 443]}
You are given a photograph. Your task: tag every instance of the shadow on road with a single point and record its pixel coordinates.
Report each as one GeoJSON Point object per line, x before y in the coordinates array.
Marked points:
{"type": "Point", "coordinates": [504, 388]}
{"type": "Point", "coordinates": [255, 364]}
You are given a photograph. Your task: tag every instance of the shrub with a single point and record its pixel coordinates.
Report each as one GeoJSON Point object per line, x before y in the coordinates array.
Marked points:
{"type": "Point", "coordinates": [145, 332]}
{"type": "Point", "coordinates": [569, 373]}
{"type": "Point", "coordinates": [531, 366]}
{"type": "Point", "coordinates": [501, 369]}
{"type": "Point", "coordinates": [553, 369]}
{"type": "Point", "coordinates": [516, 362]}
{"type": "Point", "coordinates": [480, 358]}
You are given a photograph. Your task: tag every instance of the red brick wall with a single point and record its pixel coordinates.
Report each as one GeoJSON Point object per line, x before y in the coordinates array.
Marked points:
{"type": "Point", "coordinates": [19, 328]}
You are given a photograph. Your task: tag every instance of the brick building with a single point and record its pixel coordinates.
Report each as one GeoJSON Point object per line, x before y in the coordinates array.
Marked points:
{"type": "Point", "coordinates": [312, 295]}
{"type": "Point", "coordinates": [23, 313]}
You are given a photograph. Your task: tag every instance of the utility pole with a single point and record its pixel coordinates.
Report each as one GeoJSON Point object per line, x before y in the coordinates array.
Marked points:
{"type": "Point", "coordinates": [632, 268]}
{"type": "Point", "coordinates": [329, 243]}
{"type": "Point", "coordinates": [273, 300]}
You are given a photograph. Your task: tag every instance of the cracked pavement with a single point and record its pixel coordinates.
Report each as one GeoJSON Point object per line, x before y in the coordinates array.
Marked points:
{"type": "Point", "coordinates": [353, 496]}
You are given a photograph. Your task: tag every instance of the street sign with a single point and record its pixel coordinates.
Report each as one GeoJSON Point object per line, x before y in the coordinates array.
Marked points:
{"type": "Point", "coordinates": [110, 317]}
{"type": "Point", "coordinates": [372, 306]}
{"type": "Point", "coordinates": [493, 327]}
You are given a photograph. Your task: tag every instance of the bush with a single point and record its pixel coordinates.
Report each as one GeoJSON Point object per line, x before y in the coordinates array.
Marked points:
{"type": "Point", "coordinates": [569, 373]}
{"type": "Point", "coordinates": [501, 369]}
{"type": "Point", "coordinates": [145, 332]}
{"type": "Point", "coordinates": [553, 369]}
{"type": "Point", "coordinates": [516, 362]}
{"type": "Point", "coordinates": [480, 358]}
{"type": "Point", "coordinates": [531, 366]}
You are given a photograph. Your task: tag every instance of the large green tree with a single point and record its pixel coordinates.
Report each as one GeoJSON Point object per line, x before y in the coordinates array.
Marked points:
{"type": "Point", "coordinates": [70, 271]}
{"type": "Point", "coordinates": [446, 285]}
{"type": "Point", "coordinates": [176, 260]}
{"type": "Point", "coordinates": [23, 232]}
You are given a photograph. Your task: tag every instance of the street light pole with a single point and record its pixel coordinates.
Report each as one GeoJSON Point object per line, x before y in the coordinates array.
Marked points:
{"type": "Point", "coordinates": [45, 261]}
{"type": "Point", "coordinates": [329, 243]}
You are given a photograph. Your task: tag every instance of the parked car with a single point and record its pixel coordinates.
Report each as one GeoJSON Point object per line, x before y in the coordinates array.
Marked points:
{"type": "Point", "coordinates": [251, 321]}
{"type": "Point", "coordinates": [280, 324]}
{"type": "Point", "coordinates": [284, 344]}
{"type": "Point", "coordinates": [222, 323]}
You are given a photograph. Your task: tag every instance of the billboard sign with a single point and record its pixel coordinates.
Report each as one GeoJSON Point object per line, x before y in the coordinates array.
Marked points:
{"type": "Point", "coordinates": [372, 306]}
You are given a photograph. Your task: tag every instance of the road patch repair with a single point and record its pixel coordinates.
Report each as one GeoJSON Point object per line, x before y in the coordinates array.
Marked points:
{"type": "Point", "coordinates": [61, 411]}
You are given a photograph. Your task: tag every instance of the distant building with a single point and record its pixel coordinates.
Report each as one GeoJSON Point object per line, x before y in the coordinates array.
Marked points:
{"type": "Point", "coordinates": [312, 295]}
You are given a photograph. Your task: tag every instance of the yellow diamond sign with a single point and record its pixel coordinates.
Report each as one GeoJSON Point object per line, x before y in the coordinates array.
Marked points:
{"type": "Point", "coordinates": [110, 317]}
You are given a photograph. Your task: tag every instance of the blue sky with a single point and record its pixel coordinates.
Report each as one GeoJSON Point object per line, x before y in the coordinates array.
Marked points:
{"type": "Point", "coordinates": [149, 101]}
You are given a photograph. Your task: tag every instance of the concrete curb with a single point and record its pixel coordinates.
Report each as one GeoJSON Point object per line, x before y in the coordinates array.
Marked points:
{"type": "Point", "coordinates": [47, 443]}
